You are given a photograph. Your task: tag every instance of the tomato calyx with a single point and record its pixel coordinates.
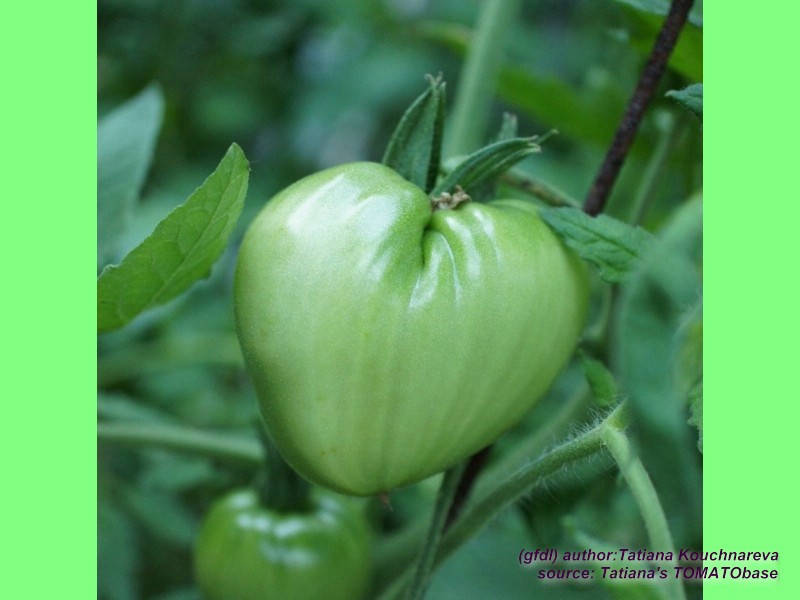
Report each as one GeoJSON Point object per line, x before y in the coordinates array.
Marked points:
{"type": "Point", "coordinates": [446, 200]}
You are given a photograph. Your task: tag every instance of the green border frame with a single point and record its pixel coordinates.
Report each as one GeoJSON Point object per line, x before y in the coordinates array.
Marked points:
{"type": "Point", "coordinates": [750, 240]}
{"type": "Point", "coordinates": [49, 448]}
{"type": "Point", "coordinates": [49, 444]}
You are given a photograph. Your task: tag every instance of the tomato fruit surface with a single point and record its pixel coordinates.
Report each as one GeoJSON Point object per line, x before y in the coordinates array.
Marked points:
{"type": "Point", "coordinates": [388, 341]}
{"type": "Point", "coordinates": [248, 552]}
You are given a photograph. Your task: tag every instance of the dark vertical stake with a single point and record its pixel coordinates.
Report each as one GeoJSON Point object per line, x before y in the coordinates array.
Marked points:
{"type": "Point", "coordinates": [656, 65]}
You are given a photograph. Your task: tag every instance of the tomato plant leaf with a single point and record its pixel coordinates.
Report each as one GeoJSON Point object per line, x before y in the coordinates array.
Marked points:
{"type": "Point", "coordinates": [611, 245]}
{"type": "Point", "coordinates": [182, 248]}
{"type": "Point", "coordinates": [126, 139]}
{"type": "Point", "coordinates": [691, 98]}
{"type": "Point", "coordinates": [415, 147]}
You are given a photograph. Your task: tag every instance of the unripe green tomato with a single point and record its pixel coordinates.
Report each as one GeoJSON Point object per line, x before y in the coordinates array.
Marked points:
{"type": "Point", "coordinates": [387, 341]}
{"type": "Point", "coordinates": [247, 552]}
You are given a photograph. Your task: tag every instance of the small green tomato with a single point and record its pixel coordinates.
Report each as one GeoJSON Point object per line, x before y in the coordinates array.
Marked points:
{"type": "Point", "coordinates": [248, 552]}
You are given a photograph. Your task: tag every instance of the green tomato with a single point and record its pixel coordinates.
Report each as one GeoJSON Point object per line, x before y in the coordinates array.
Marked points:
{"type": "Point", "coordinates": [387, 341]}
{"type": "Point", "coordinates": [245, 551]}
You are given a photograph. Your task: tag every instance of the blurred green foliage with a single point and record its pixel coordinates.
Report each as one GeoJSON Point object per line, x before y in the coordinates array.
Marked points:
{"type": "Point", "coordinates": [305, 84]}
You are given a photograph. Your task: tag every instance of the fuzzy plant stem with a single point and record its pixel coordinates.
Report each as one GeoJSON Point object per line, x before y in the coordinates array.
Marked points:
{"type": "Point", "coordinates": [644, 494]}
{"type": "Point", "coordinates": [476, 516]}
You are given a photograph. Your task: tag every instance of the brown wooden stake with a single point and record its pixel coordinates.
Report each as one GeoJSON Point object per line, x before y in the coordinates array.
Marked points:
{"type": "Point", "coordinates": [598, 194]}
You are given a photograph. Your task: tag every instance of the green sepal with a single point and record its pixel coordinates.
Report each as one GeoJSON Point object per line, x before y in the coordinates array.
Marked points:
{"type": "Point", "coordinates": [415, 147]}
{"type": "Point", "coordinates": [279, 486]}
{"type": "Point", "coordinates": [487, 163]}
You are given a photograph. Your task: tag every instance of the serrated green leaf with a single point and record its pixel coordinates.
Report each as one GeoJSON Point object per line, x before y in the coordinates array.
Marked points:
{"type": "Point", "coordinates": [691, 98]}
{"type": "Point", "coordinates": [181, 250]}
{"type": "Point", "coordinates": [613, 246]}
{"type": "Point", "coordinates": [125, 142]}
{"type": "Point", "coordinates": [415, 147]}
{"type": "Point", "coordinates": [601, 381]}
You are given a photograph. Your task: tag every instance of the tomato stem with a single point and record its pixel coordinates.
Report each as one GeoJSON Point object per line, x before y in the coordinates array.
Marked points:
{"type": "Point", "coordinates": [644, 494]}
{"type": "Point", "coordinates": [444, 501]}
{"type": "Point", "coordinates": [279, 486]}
